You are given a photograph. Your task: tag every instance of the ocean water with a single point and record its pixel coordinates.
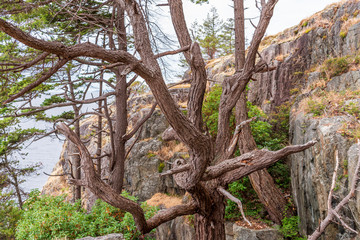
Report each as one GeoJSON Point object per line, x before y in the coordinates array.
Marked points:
{"type": "Point", "coordinates": [45, 152]}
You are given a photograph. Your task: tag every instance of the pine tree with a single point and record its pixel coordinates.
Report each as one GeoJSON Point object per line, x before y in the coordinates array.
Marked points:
{"type": "Point", "coordinates": [227, 37]}
{"type": "Point", "coordinates": [208, 34]}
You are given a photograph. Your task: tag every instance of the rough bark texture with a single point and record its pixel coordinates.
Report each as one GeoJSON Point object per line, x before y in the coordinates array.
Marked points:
{"type": "Point", "coordinates": [262, 182]}
{"type": "Point", "coordinates": [118, 162]}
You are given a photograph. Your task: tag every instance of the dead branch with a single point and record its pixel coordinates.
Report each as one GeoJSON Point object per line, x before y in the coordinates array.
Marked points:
{"type": "Point", "coordinates": [111, 133]}
{"type": "Point", "coordinates": [335, 212]}
{"type": "Point", "coordinates": [92, 100]}
{"type": "Point", "coordinates": [183, 49]}
{"type": "Point", "coordinates": [234, 169]}
{"type": "Point", "coordinates": [179, 83]}
{"type": "Point", "coordinates": [24, 66]}
{"type": "Point", "coordinates": [171, 213]}
{"type": "Point", "coordinates": [140, 123]}
{"type": "Point", "coordinates": [236, 200]}
{"type": "Point", "coordinates": [133, 144]}
{"type": "Point", "coordinates": [132, 81]}
{"type": "Point", "coordinates": [235, 138]}
{"type": "Point", "coordinates": [176, 170]}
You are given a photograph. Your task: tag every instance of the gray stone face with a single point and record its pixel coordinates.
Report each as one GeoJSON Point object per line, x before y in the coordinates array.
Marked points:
{"type": "Point", "coordinates": [312, 170]}
{"type": "Point", "coordinates": [241, 233]}
{"type": "Point", "coordinates": [178, 229]}
{"type": "Point", "coordinates": [347, 81]}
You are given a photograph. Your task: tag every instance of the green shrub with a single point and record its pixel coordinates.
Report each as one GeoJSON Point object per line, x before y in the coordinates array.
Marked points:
{"type": "Point", "coordinates": [242, 190]}
{"type": "Point", "coordinates": [305, 24]}
{"type": "Point", "coordinates": [343, 34]}
{"type": "Point", "coordinates": [10, 214]}
{"type": "Point", "coordinates": [289, 228]}
{"type": "Point", "coordinates": [271, 133]}
{"type": "Point", "coordinates": [262, 131]}
{"type": "Point", "coordinates": [48, 217]}
{"type": "Point", "coordinates": [161, 167]}
{"type": "Point", "coordinates": [352, 108]}
{"type": "Point", "coordinates": [315, 107]}
{"type": "Point", "coordinates": [211, 109]}
{"type": "Point", "coordinates": [335, 66]}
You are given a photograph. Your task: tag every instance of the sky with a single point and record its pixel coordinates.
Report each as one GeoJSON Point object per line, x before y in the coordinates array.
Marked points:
{"type": "Point", "coordinates": [287, 12]}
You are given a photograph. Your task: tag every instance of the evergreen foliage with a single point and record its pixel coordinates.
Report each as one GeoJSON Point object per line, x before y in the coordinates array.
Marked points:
{"type": "Point", "coordinates": [216, 37]}
{"type": "Point", "coordinates": [269, 132]}
{"type": "Point", "coordinates": [48, 217]}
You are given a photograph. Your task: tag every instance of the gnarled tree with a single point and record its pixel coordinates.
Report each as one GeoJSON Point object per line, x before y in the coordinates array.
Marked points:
{"type": "Point", "coordinates": [211, 166]}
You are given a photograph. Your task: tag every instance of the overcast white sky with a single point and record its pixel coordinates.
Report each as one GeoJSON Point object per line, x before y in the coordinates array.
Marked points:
{"type": "Point", "coordinates": [287, 12]}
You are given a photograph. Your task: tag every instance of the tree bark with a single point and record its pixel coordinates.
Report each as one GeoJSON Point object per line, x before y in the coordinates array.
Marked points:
{"type": "Point", "coordinates": [118, 161]}
{"type": "Point", "coordinates": [212, 226]}
{"type": "Point", "coordinates": [117, 167]}
{"type": "Point", "coordinates": [209, 222]}
{"type": "Point", "coordinates": [262, 182]}
{"type": "Point", "coordinates": [99, 129]}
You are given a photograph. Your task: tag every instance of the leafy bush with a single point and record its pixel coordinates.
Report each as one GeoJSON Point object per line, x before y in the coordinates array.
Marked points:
{"type": "Point", "coordinates": [262, 131]}
{"type": "Point", "coordinates": [290, 229]}
{"type": "Point", "coordinates": [210, 109]}
{"type": "Point", "coordinates": [48, 217]}
{"type": "Point", "coordinates": [9, 216]}
{"type": "Point", "coordinates": [271, 134]}
{"type": "Point", "coordinates": [316, 107]}
{"type": "Point", "coordinates": [335, 67]}
{"type": "Point", "coordinates": [352, 108]}
{"type": "Point", "coordinates": [242, 190]}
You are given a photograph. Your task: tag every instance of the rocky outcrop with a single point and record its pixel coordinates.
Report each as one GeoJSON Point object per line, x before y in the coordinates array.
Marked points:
{"type": "Point", "coordinates": [333, 32]}
{"type": "Point", "coordinates": [177, 229]}
{"type": "Point", "coordinates": [312, 170]}
{"type": "Point", "coordinates": [299, 53]}
{"type": "Point", "coordinates": [144, 163]}
{"type": "Point", "coordinates": [241, 233]}
{"type": "Point", "coordinates": [180, 229]}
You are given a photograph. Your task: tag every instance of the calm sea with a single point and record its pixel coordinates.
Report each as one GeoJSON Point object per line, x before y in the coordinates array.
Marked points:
{"type": "Point", "coordinates": [45, 151]}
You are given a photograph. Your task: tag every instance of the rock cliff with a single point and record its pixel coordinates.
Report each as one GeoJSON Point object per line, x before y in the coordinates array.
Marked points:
{"type": "Point", "coordinates": [325, 105]}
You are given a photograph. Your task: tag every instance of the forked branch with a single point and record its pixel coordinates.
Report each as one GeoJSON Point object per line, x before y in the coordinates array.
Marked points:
{"type": "Point", "coordinates": [334, 213]}
{"type": "Point", "coordinates": [92, 181]}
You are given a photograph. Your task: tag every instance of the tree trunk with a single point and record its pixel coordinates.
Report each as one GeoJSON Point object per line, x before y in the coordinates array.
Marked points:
{"type": "Point", "coordinates": [117, 167]}
{"type": "Point", "coordinates": [99, 129]}
{"type": "Point", "coordinates": [118, 162]}
{"type": "Point", "coordinates": [262, 182]}
{"type": "Point", "coordinates": [76, 157]}
{"type": "Point", "coordinates": [211, 224]}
